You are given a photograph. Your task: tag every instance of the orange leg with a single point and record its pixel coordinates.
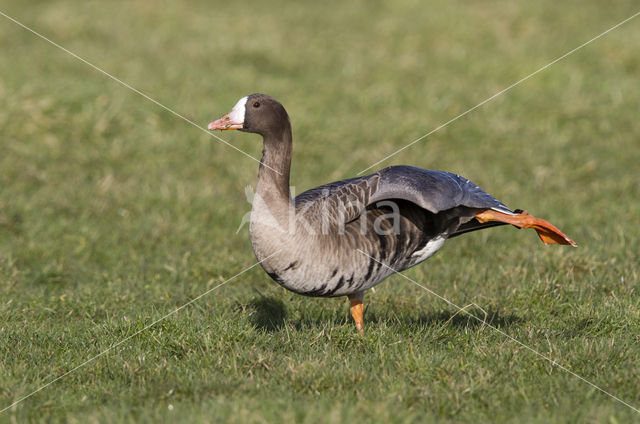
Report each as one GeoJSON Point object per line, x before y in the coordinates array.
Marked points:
{"type": "Point", "coordinates": [547, 232]}
{"type": "Point", "coordinates": [357, 309]}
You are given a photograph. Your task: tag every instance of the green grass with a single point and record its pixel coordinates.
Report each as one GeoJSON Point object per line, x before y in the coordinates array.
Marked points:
{"type": "Point", "coordinates": [113, 212]}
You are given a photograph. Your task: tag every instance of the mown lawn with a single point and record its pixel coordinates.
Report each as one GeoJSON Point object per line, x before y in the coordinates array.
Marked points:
{"type": "Point", "coordinates": [113, 211]}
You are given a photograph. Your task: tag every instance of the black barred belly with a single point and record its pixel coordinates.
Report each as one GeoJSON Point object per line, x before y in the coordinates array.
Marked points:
{"type": "Point", "coordinates": [359, 272]}
{"type": "Point", "coordinates": [335, 285]}
{"type": "Point", "coordinates": [333, 280]}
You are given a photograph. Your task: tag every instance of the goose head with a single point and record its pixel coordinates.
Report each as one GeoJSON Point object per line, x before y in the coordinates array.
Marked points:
{"type": "Point", "coordinates": [257, 113]}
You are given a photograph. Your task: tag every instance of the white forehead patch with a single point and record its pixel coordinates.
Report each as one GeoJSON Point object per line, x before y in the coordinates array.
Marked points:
{"type": "Point", "coordinates": [237, 113]}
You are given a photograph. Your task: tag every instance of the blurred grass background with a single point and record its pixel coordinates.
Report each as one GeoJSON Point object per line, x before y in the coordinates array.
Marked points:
{"type": "Point", "coordinates": [113, 212]}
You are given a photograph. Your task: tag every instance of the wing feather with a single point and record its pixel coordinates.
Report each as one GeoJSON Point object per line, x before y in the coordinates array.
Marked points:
{"type": "Point", "coordinates": [433, 190]}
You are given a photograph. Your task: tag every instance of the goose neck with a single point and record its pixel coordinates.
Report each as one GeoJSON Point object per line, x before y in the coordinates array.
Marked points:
{"type": "Point", "coordinates": [275, 165]}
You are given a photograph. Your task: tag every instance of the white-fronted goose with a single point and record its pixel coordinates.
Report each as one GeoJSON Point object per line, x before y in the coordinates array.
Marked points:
{"type": "Point", "coordinates": [334, 239]}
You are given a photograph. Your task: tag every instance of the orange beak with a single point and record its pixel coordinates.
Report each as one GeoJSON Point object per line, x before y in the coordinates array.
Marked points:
{"type": "Point", "coordinates": [225, 123]}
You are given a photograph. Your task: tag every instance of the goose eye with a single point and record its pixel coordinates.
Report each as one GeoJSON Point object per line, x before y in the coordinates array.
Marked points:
{"type": "Point", "coordinates": [256, 104]}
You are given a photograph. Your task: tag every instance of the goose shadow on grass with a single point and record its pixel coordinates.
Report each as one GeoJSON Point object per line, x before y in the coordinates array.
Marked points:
{"type": "Point", "coordinates": [270, 314]}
